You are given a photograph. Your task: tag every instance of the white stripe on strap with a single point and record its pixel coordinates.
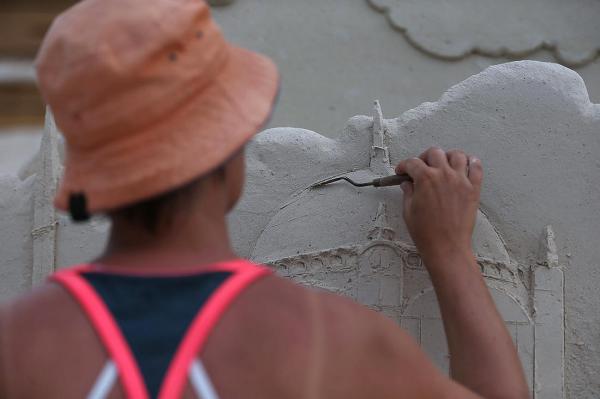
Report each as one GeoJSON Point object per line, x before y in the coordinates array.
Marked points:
{"type": "Point", "coordinates": [201, 382]}
{"type": "Point", "coordinates": [105, 382]}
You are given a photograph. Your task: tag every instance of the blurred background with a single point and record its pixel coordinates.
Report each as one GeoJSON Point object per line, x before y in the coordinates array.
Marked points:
{"type": "Point", "coordinates": [23, 24]}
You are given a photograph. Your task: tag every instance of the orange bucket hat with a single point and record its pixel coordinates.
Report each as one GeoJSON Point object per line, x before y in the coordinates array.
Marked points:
{"type": "Point", "coordinates": [149, 96]}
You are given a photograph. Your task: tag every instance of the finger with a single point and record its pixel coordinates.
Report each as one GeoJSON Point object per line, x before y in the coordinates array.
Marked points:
{"type": "Point", "coordinates": [475, 171]}
{"type": "Point", "coordinates": [414, 167]}
{"type": "Point", "coordinates": [458, 161]}
{"type": "Point", "coordinates": [436, 157]}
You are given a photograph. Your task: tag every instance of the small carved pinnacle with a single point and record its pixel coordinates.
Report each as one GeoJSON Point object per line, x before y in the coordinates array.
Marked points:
{"type": "Point", "coordinates": [378, 125]}
{"type": "Point", "coordinates": [549, 251]}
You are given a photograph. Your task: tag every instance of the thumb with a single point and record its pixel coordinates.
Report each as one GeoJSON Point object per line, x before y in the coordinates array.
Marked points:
{"type": "Point", "coordinates": [408, 189]}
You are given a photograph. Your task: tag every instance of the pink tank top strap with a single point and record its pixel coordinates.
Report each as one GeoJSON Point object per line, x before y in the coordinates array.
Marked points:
{"type": "Point", "coordinates": [106, 327]}
{"type": "Point", "coordinates": [244, 273]}
{"type": "Point", "coordinates": [200, 329]}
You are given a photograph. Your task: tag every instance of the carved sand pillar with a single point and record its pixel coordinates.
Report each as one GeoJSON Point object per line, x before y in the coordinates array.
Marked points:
{"type": "Point", "coordinates": [44, 220]}
{"type": "Point", "coordinates": [548, 294]}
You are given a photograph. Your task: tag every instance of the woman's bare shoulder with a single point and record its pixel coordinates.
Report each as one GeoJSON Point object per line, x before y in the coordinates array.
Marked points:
{"type": "Point", "coordinates": [43, 336]}
{"type": "Point", "coordinates": [365, 353]}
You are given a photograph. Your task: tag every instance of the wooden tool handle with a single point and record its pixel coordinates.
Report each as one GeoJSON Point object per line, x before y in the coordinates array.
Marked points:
{"type": "Point", "coordinates": [394, 180]}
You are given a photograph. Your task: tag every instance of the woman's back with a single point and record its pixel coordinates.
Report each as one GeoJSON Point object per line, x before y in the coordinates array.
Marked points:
{"type": "Point", "coordinates": [52, 349]}
{"type": "Point", "coordinates": [275, 340]}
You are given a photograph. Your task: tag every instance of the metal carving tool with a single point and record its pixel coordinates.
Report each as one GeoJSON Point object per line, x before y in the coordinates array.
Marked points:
{"type": "Point", "coordinates": [394, 180]}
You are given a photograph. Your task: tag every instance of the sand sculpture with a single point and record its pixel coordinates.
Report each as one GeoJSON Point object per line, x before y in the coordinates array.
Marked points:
{"type": "Point", "coordinates": [526, 120]}
{"type": "Point", "coordinates": [374, 263]}
{"type": "Point", "coordinates": [353, 241]}
{"type": "Point", "coordinates": [536, 130]}
{"type": "Point", "coordinates": [457, 28]}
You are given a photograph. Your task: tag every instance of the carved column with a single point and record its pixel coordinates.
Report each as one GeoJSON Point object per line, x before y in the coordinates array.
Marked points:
{"type": "Point", "coordinates": [44, 216]}
{"type": "Point", "coordinates": [380, 156]}
{"type": "Point", "coordinates": [548, 293]}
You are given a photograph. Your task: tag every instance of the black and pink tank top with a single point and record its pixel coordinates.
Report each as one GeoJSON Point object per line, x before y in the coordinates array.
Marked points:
{"type": "Point", "coordinates": [154, 325]}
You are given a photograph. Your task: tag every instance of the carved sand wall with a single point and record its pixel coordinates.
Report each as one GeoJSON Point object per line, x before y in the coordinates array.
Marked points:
{"type": "Point", "coordinates": [455, 29]}
{"type": "Point", "coordinates": [536, 130]}
{"type": "Point", "coordinates": [336, 56]}
{"type": "Point", "coordinates": [35, 239]}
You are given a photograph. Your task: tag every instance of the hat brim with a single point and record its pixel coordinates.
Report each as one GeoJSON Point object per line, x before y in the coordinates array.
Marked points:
{"type": "Point", "coordinates": [184, 145]}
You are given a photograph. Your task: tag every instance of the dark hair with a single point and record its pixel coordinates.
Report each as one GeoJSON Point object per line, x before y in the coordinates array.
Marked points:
{"type": "Point", "coordinates": [157, 212]}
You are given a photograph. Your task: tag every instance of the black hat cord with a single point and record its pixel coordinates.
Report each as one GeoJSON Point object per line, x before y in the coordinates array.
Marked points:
{"type": "Point", "coordinates": [78, 207]}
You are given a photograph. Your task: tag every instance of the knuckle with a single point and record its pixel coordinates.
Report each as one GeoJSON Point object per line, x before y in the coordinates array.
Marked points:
{"type": "Point", "coordinates": [472, 192]}
{"type": "Point", "coordinates": [450, 175]}
{"type": "Point", "coordinates": [460, 185]}
{"type": "Point", "coordinates": [439, 176]}
{"type": "Point", "coordinates": [428, 174]}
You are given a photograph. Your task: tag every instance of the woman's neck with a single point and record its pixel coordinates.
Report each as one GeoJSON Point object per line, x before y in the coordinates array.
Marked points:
{"type": "Point", "coordinates": [199, 237]}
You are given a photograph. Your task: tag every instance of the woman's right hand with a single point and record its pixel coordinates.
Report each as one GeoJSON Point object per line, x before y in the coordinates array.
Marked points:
{"type": "Point", "coordinates": [440, 206]}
